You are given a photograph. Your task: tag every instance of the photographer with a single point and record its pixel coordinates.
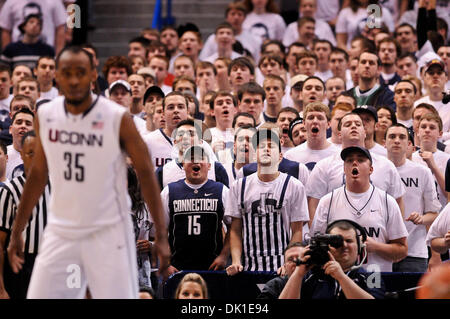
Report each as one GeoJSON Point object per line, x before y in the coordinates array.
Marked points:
{"type": "Point", "coordinates": [337, 278]}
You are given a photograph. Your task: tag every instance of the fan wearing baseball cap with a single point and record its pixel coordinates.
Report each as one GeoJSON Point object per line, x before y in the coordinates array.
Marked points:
{"type": "Point", "coordinates": [372, 208]}
{"type": "Point", "coordinates": [434, 78]}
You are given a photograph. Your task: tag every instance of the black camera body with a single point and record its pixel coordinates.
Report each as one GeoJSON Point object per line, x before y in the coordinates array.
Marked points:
{"type": "Point", "coordinates": [446, 97]}
{"type": "Point", "coordinates": [318, 248]}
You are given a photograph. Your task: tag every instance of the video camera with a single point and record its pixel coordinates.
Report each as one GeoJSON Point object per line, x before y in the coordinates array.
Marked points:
{"type": "Point", "coordinates": [446, 97]}
{"type": "Point", "coordinates": [318, 248]}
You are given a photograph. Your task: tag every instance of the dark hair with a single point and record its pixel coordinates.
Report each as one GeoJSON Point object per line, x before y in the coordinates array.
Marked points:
{"type": "Point", "coordinates": [219, 94]}
{"type": "Point", "coordinates": [3, 147]}
{"type": "Point", "coordinates": [251, 88]}
{"type": "Point", "coordinates": [244, 114]}
{"type": "Point", "coordinates": [366, 44]}
{"type": "Point", "coordinates": [269, 57]}
{"type": "Point", "coordinates": [155, 45]}
{"type": "Point", "coordinates": [274, 77]}
{"type": "Point", "coordinates": [117, 61]}
{"type": "Point", "coordinates": [313, 77]}
{"type": "Point", "coordinates": [323, 41]}
{"type": "Point", "coordinates": [292, 245]}
{"type": "Point", "coordinates": [244, 127]}
{"type": "Point", "coordinates": [183, 78]}
{"type": "Point", "coordinates": [142, 40]}
{"type": "Point", "coordinates": [306, 54]}
{"type": "Point", "coordinates": [398, 48]}
{"type": "Point", "coordinates": [242, 62]}
{"type": "Point", "coordinates": [371, 52]}
{"type": "Point", "coordinates": [288, 109]}
{"type": "Point", "coordinates": [223, 25]}
{"type": "Point", "coordinates": [205, 65]}
{"type": "Point", "coordinates": [90, 46]}
{"type": "Point", "coordinates": [46, 57]}
{"type": "Point", "coordinates": [189, 122]}
{"type": "Point", "coordinates": [148, 290]}
{"type": "Point", "coordinates": [391, 112]}
{"type": "Point", "coordinates": [404, 24]}
{"type": "Point", "coordinates": [295, 44]}
{"type": "Point", "coordinates": [236, 5]}
{"type": "Point", "coordinates": [25, 136]}
{"type": "Point", "coordinates": [22, 110]}
{"type": "Point", "coordinates": [271, 6]}
{"type": "Point", "coordinates": [174, 93]}
{"type": "Point", "coordinates": [407, 81]}
{"type": "Point", "coordinates": [402, 126]}
{"type": "Point", "coordinates": [75, 49]}
{"type": "Point", "coordinates": [301, 21]}
{"type": "Point", "coordinates": [407, 55]}
{"type": "Point", "coordinates": [337, 50]}
{"type": "Point", "coordinates": [276, 42]}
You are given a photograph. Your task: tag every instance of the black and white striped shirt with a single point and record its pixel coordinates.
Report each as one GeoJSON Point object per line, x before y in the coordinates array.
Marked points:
{"type": "Point", "coordinates": [10, 194]}
{"type": "Point", "coordinates": [267, 210]}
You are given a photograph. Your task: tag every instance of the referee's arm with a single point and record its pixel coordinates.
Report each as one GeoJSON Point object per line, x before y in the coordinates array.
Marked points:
{"type": "Point", "coordinates": [32, 191]}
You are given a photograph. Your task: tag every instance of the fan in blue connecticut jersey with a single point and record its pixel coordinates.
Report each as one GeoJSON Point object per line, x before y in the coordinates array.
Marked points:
{"type": "Point", "coordinates": [194, 209]}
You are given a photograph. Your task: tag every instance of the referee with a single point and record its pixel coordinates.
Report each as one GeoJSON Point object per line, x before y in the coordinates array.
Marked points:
{"type": "Point", "coordinates": [14, 285]}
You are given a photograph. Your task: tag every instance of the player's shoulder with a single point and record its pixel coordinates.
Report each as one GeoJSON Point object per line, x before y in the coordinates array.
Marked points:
{"type": "Point", "coordinates": [51, 106]}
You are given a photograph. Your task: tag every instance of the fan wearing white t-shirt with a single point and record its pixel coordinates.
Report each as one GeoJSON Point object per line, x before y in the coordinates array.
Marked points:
{"type": "Point", "coordinates": [45, 74]}
{"type": "Point", "coordinates": [438, 237]}
{"type": "Point", "coordinates": [317, 121]}
{"type": "Point", "coordinates": [270, 198]}
{"type": "Point", "coordinates": [328, 174]}
{"type": "Point", "coordinates": [370, 207]}
{"type": "Point", "coordinates": [338, 112]}
{"type": "Point", "coordinates": [404, 96]}
{"type": "Point", "coordinates": [285, 116]}
{"type": "Point", "coordinates": [262, 23]}
{"type": "Point", "coordinates": [421, 202]}
{"type": "Point", "coordinates": [434, 78]}
{"type": "Point", "coordinates": [369, 117]}
{"type": "Point", "coordinates": [430, 130]}
{"type": "Point", "coordinates": [159, 142]}
{"type": "Point", "coordinates": [223, 107]}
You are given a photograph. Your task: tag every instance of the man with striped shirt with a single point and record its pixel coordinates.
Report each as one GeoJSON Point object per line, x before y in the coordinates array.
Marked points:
{"type": "Point", "coordinates": [267, 210]}
{"type": "Point", "coordinates": [16, 285]}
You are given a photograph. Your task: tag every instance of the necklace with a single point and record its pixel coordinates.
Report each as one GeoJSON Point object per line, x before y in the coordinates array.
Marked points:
{"type": "Point", "coordinates": [358, 211]}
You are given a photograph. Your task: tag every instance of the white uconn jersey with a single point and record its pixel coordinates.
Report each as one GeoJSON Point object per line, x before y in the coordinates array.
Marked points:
{"type": "Point", "coordinates": [378, 213]}
{"type": "Point", "coordinates": [87, 168]}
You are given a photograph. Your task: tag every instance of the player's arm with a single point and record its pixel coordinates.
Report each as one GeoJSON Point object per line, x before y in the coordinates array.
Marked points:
{"type": "Point", "coordinates": [395, 250]}
{"type": "Point", "coordinates": [235, 246]}
{"type": "Point", "coordinates": [3, 293]}
{"type": "Point", "coordinates": [137, 150]}
{"type": "Point", "coordinates": [32, 191]}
